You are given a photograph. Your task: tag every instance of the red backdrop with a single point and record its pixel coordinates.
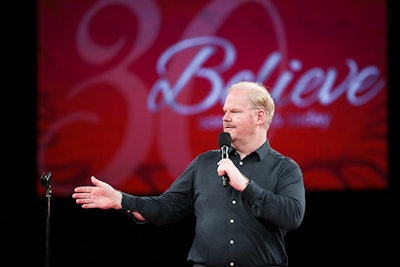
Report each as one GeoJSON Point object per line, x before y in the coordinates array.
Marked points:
{"type": "Point", "coordinates": [132, 91]}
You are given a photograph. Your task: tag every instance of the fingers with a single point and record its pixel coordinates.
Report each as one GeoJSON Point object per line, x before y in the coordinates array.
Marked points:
{"type": "Point", "coordinates": [82, 200]}
{"type": "Point", "coordinates": [92, 196]}
{"type": "Point", "coordinates": [85, 200]}
{"type": "Point", "coordinates": [81, 195]}
{"type": "Point", "coordinates": [94, 180]}
{"type": "Point", "coordinates": [88, 205]}
{"type": "Point", "coordinates": [83, 189]}
{"type": "Point", "coordinates": [223, 166]}
{"type": "Point", "coordinates": [100, 184]}
{"type": "Point", "coordinates": [88, 188]}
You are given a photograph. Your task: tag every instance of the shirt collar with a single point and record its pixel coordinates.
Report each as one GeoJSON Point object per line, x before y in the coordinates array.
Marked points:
{"type": "Point", "coordinates": [261, 152]}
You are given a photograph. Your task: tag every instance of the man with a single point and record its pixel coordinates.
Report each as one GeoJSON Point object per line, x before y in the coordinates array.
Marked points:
{"type": "Point", "coordinates": [242, 224]}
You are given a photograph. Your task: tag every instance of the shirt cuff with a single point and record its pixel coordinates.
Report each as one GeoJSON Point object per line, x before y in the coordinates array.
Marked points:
{"type": "Point", "coordinates": [128, 204]}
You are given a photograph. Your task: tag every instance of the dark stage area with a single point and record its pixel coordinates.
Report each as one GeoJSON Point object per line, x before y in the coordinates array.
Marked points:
{"type": "Point", "coordinates": [339, 229]}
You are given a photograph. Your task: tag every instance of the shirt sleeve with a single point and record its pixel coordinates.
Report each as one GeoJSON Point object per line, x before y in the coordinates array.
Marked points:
{"type": "Point", "coordinates": [286, 206]}
{"type": "Point", "coordinates": [170, 206]}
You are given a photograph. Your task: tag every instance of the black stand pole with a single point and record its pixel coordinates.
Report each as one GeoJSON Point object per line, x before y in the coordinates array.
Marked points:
{"type": "Point", "coordinates": [45, 182]}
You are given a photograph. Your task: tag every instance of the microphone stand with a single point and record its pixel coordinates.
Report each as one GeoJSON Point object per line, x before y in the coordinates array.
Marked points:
{"type": "Point", "coordinates": [45, 182]}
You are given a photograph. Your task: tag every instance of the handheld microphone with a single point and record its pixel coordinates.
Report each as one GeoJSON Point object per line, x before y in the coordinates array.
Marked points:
{"type": "Point", "coordinates": [224, 142]}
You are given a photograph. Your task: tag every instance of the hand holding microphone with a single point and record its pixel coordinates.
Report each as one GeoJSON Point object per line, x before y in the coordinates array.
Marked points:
{"type": "Point", "coordinates": [224, 142]}
{"type": "Point", "coordinates": [239, 181]}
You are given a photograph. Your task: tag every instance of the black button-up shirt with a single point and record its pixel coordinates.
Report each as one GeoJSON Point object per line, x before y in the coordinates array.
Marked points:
{"type": "Point", "coordinates": [233, 228]}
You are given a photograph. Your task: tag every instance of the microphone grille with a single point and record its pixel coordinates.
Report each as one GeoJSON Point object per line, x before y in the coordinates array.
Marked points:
{"type": "Point", "coordinates": [224, 139]}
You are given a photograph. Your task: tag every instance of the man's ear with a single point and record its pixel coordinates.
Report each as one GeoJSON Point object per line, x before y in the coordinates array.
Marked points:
{"type": "Point", "coordinates": [261, 116]}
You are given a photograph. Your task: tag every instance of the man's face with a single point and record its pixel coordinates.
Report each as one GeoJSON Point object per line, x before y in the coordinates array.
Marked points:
{"type": "Point", "coordinates": [239, 119]}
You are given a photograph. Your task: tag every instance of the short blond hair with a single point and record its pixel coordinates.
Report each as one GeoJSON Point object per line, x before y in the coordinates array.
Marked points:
{"type": "Point", "coordinates": [259, 97]}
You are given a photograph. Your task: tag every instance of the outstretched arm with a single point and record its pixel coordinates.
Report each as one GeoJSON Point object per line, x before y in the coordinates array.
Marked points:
{"type": "Point", "coordinates": [101, 195]}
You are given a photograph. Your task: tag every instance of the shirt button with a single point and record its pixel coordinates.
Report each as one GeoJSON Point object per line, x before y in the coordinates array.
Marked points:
{"type": "Point", "coordinates": [234, 201]}
{"type": "Point", "coordinates": [241, 163]}
{"type": "Point", "coordinates": [231, 220]}
{"type": "Point", "coordinates": [231, 242]}
{"type": "Point", "coordinates": [232, 264]}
